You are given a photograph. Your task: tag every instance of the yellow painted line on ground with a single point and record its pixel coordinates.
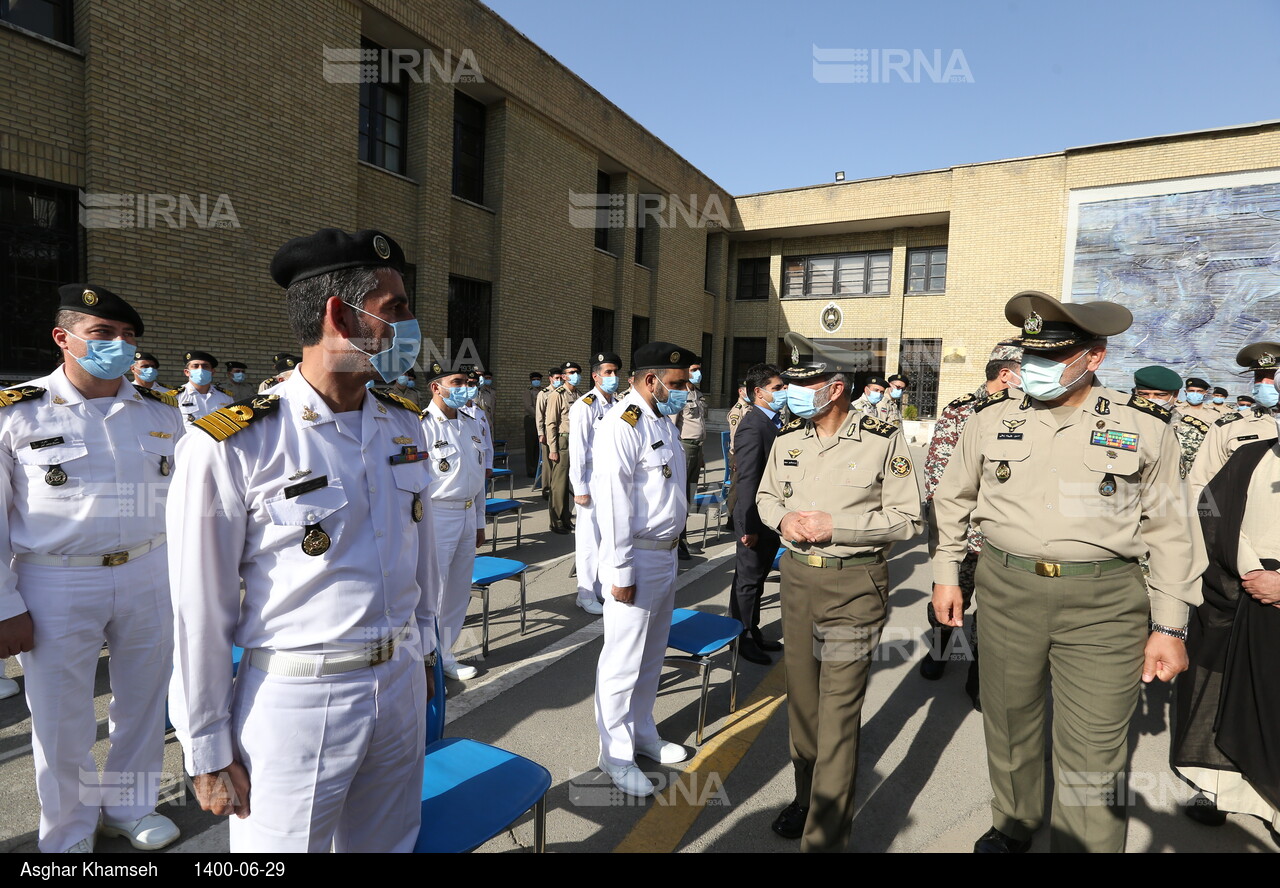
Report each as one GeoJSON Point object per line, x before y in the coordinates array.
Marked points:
{"type": "Point", "coordinates": [676, 807]}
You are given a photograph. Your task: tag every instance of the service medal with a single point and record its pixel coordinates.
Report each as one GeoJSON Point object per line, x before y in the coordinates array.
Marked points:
{"type": "Point", "coordinates": [444, 465]}
{"type": "Point", "coordinates": [315, 541]}
{"type": "Point", "coordinates": [55, 477]}
{"type": "Point", "coordinates": [164, 465]}
{"type": "Point", "coordinates": [666, 471]}
{"type": "Point", "coordinates": [415, 511]}
{"type": "Point", "coordinates": [786, 488]}
{"type": "Point", "coordinates": [1002, 471]}
{"type": "Point", "coordinates": [1108, 485]}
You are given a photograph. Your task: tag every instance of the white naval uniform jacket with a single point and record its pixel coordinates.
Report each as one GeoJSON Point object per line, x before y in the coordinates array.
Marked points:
{"type": "Point", "coordinates": [635, 497]}
{"type": "Point", "coordinates": [116, 464]}
{"type": "Point", "coordinates": [194, 405]}
{"type": "Point", "coordinates": [584, 415]}
{"type": "Point", "coordinates": [241, 508]}
{"type": "Point", "coordinates": [457, 448]}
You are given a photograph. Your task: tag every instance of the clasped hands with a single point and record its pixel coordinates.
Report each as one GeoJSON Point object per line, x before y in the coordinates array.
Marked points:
{"type": "Point", "coordinates": [806, 527]}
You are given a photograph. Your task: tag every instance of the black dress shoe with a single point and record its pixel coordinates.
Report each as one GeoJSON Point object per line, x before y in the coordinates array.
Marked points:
{"type": "Point", "coordinates": [996, 842]}
{"type": "Point", "coordinates": [790, 823]}
{"type": "Point", "coordinates": [931, 669]}
{"type": "Point", "coordinates": [556, 528]}
{"type": "Point", "coordinates": [750, 651]}
{"type": "Point", "coordinates": [763, 643]}
{"type": "Point", "coordinates": [683, 551]}
{"type": "Point", "coordinates": [1205, 812]}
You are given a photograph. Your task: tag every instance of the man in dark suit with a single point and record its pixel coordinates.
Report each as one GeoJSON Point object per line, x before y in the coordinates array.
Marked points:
{"type": "Point", "coordinates": [757, 543]}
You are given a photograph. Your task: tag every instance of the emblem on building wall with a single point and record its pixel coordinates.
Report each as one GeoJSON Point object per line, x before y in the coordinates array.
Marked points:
{"type": "Point", "coordinates": [832, 317]}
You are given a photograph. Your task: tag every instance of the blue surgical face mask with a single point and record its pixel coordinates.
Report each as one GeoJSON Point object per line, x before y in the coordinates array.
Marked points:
{"type": "Point", "coordinates": [1042, 378]}
{"type": "Point", "coordinates": [486, 381]}
{"type": "Point", "coordinates": [557, 384]}
{"type": "Point", "coordinates": [148, 374]}
{"type": "Point", "coordinates": [675, 400]}
{"type": "Point", "coordinates": [406, 342]}
{"type": "Point", "coordinates": [1219, 400]}
{"type": "Point", "coordinates": [237, 376]}
{"type": "Point", "coordinates": [472, 391]}
{"type": "Point", "coordinates": [875, 397]}
{"type": "Point", "coordinates": [1265, 394]}
{"type": "Point", "coordinates": [695, 376]}
{"type": "Point", "coordinates": [895, 393]}
{"type": "Point", "coordinates": [456, 396]}
{"type": "Point", "coordinates": [201, 377]}
{"type": "Point", "coordinates": [106, 358]}
{"type": "Point", "coordinates": [608, 384]}
{"type": "Point", "coordinates": [369, 384]}
{"type": "Point", "coordinates": [536, 383]}
{"type": "Point", "coordinates": [573, 378]}
{"type": "Point", "coordinates": [803, 402]}
{"type": "Point", "coordinates": [1195, 398]}
{"type": "Point", "coordinates": [404, 381]}
{"type": "Point", "coordinates": [778, 400]}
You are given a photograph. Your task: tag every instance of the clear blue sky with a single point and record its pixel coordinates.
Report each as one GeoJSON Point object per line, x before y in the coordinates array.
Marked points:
{"type": "Point", "coordinates": [731, 85]}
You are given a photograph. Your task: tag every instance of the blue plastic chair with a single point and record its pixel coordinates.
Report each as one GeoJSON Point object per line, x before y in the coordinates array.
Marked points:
{"type": "Point", "coordinates": [472, 791]}
{"type": "Point", "coordinates": [777, 559]}
{"type": "Point", "coordinates": [494, 509]}
{"type": "Point", "coordinates": [510, 479]}
{"type": "Point", "coordinates": [487, 571]}
{"type": "Point", "coordinates": [699, 636]}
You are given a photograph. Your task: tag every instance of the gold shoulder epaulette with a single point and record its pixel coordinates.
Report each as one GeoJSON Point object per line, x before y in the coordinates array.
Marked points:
{"type": "Point", "coordinates": [224, 422]}
{"type": "Point", "coordinates": [1137, 402]}
{"type": "Point", "coordinates": [631, 415]}
{"type": "Point", "coordinates": [792, 426]}
{"type": "Point", "coordinates": [16, 395]}
{"type": "Point", "coordinates": [1198, 424]}
{"type": "Point", "coordinates": [962, 400]}
{"type": "Point", "coordinates": [588, 399]}
{"type": "Point", "coordinates": [387, 397]}
{"type": "Point", "coordinates": [876, 427]}
{"type": "Point", "coordinates": [996, 398]}
{"type": "Point", "coordinates": [162, 397]}
{"type": "Point", "coordinates": [269, 381]}
{"type": "Point", "coordinates": [1229, 418]}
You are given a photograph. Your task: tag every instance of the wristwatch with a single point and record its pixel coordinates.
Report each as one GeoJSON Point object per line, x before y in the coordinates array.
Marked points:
{"type": "Point", "coordinates": [1180, 634]}
{"type": "Point", "coordinates": [430, 659]}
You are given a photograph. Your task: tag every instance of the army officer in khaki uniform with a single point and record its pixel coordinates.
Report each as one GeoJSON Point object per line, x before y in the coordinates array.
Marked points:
{"type": "Point", "coordinates": [839, 487]}
{"type": "Point", "coordinates": [1232, 431]}
{"type": "Point", "coordinates": [1070, 484]}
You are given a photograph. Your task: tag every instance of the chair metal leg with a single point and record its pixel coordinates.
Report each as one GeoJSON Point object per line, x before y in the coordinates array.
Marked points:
{"type": "Point", "coordinates": [540, 826]}
{"type": "Point", "coordinates": [702, 704]}
{"type": "Point", "coordinates": [519, 524]}
{"type": "Point", "coordinates": [484, 638]}
{"type": "Point", "coordinates": [733, 678]}
{"type": "Point", "coordinates": [522, 603]}
{"type": "Point", "coordinates": [706, 519]}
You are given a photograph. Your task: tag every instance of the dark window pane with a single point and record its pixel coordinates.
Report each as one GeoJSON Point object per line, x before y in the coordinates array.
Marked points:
{"type": "Point", "coordinates": [469, 122]}
{"type": "Point", "coordinates": [469, 313]}
{"type": "Point", "coordinates": [919, 361]}
{"type": "Point", "coordinates": [601, 331]}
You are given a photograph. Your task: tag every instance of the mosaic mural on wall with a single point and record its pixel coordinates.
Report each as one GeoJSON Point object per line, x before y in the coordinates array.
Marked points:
{"type": "Point", "coordinates": [1199, 269]}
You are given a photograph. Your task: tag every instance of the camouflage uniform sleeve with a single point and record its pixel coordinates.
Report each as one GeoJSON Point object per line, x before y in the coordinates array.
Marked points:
{"type": "Point", "coordinates": [946, 432]}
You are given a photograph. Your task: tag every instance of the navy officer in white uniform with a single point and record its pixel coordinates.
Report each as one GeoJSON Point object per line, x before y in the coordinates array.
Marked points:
{"type": "Point", "coordinates": [199, 396]}
{"type": "Point", "coordinates": [641, 508]}
{"type": "Point", "coordinates": [584, 415]}
{"type": "Point", "coordinates": [316, 495]}
{"type": "Point", "coordinates": [85, 463]}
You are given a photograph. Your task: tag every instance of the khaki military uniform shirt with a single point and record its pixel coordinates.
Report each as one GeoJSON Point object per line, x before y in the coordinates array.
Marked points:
{"type": "Point", "coordinates": [875, 411]}
{"type": "Point", "coordinates": [240, 390]}
{"type": "Point", "coordinates": [540, 411]}
{"type": "Point", "coordinates": [556, 416]}
{"type": "Point", "coordinates": [862, 477]}
{"type": "Point", "coordinates": [692, 420]}
{"type": "Point", "coordinates": [736, 412]}
{"type": "Point", "coordinates": [1226, 435]}
{"type": "Point", "coordinates": [531, 402]}
{"type": "Point", "coordinates": [1100, 483]}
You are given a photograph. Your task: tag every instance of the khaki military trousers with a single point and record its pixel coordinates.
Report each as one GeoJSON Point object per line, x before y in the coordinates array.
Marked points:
{"type": "Point", "coordinates": [831, 621]}
{"type": "Point", "coordinates": [1086, 636]}
{"type": "Point", "coordinates": [561, 495]}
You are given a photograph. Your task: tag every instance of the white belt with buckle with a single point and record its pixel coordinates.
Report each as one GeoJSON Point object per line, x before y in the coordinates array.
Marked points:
{"type": "Point", "coordinates": [316, 665]}
{"type": "Point", "coordinates": [111, 559]}
{"type": "Point", "coordinates": [452, 505]}
{"type": "Point", "coordinates": [655, 545]}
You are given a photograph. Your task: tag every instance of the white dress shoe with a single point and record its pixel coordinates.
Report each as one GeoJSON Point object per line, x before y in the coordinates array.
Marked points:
{"type": "Point", "coordinates": [629, 779]}
{"type": "Point", "coordinates": [8, 688]}
{"type": "Point", "coordinates": [84, 846]}
{"type": "Point", "coordinates": [591, 606]}
{"type": "Point", "coordinates": [147, 833]}
{"type": "Point", "coordinates": [663, 752]}
{"type": "Point", "coordinates": [460, 671]}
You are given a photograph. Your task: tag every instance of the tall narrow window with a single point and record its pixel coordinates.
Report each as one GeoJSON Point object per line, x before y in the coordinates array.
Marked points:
{"type": "Point", "coordinates": [384, 110]}
{"type": "Point", "coordinates": [468, 148]}
{"type": "Point", "coordinates": [601, 330]}
{"type": "Point", "coordinates": [919, 361]}
{"type": "Point", "coordinates": [604, 203]}
{"type": "Point", "coordinates": [469, 316]}
{"type": "Point", "coordinates": [639, 331]}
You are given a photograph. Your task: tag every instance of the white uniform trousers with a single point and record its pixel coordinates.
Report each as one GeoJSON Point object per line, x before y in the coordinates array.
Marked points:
{"type": "Point", "coordinates": [635, 639]}
{"type": "Point", "coordinates": [73, 610]}
{"type": "Point", "coordinates": [587, 552]}
{"type": "Point", "coordinates": [334, 762]}
{"type": "Point", "coordinates": [456, 554]}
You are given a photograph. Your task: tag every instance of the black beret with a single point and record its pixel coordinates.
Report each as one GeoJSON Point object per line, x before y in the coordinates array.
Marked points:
{"type": "Point", "coordinates": [804, 373]}
{"type": "Point", "coordinates": [1161, 379]}
{"type": "Point", "coordinates": [555, 371]}
{"type": "Point", "coordinates": [146, 356]}
{"type": "Point", "coordinates": [902, 379]}
{"type": "Point", "coordinates": [572, 365]}
{"type": "Point", "coordinates": [534, 374]}
{"type": "Point", "coordinates": [331, 249]}
{"type": "Point", "coordinates": [438, 370]}
{"type": "Point", "coordinates": [1259, 356]}
{"type": "Point", "coordinates": [1194, 381]}
{"type": "Point", "coordinates": [1245, 399]}
{"type": "Point", "coordinates": [99, 302]}
{"type": "Point", "coordinates": [194, 355]}
{"type": "Point", "coordinates": [876, 380]}
{"type": "Point", "coordinates": [285, 362]}
{"type": "Point", "coordinates": [1219, 390]}
{"type": "Point", "coordinates": [237, 365]}
{"type": "Point", "coordinates": [662, 356]}
{"type": "Point", "coordinates": [1048, 324]}
{"type": "Point", "coordinates": [606, 358]}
